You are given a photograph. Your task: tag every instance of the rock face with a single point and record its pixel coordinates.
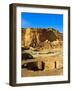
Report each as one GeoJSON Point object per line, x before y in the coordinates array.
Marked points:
{"type": "Point", "coordinates": [37, 37]}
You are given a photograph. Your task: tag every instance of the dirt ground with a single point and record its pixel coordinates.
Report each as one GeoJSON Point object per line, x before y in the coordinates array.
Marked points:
{"type": "Point", "coordinates": [29, 73]}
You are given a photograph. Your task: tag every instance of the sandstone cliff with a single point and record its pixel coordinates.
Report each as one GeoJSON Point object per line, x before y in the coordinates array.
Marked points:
{"type": "Point", "coordinates": [41, 38]}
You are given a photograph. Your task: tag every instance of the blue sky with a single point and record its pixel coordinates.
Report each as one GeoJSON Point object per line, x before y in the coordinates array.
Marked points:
{"type": "Point", "coordinates": [41, 20]}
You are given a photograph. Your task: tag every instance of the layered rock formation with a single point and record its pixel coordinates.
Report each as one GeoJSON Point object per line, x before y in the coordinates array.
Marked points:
{"type": "Point", "coordinates": [41, 38]}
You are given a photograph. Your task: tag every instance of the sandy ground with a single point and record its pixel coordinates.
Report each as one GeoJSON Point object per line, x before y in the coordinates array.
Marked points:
{"type": "Point", "coordinates": [29, 73]}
